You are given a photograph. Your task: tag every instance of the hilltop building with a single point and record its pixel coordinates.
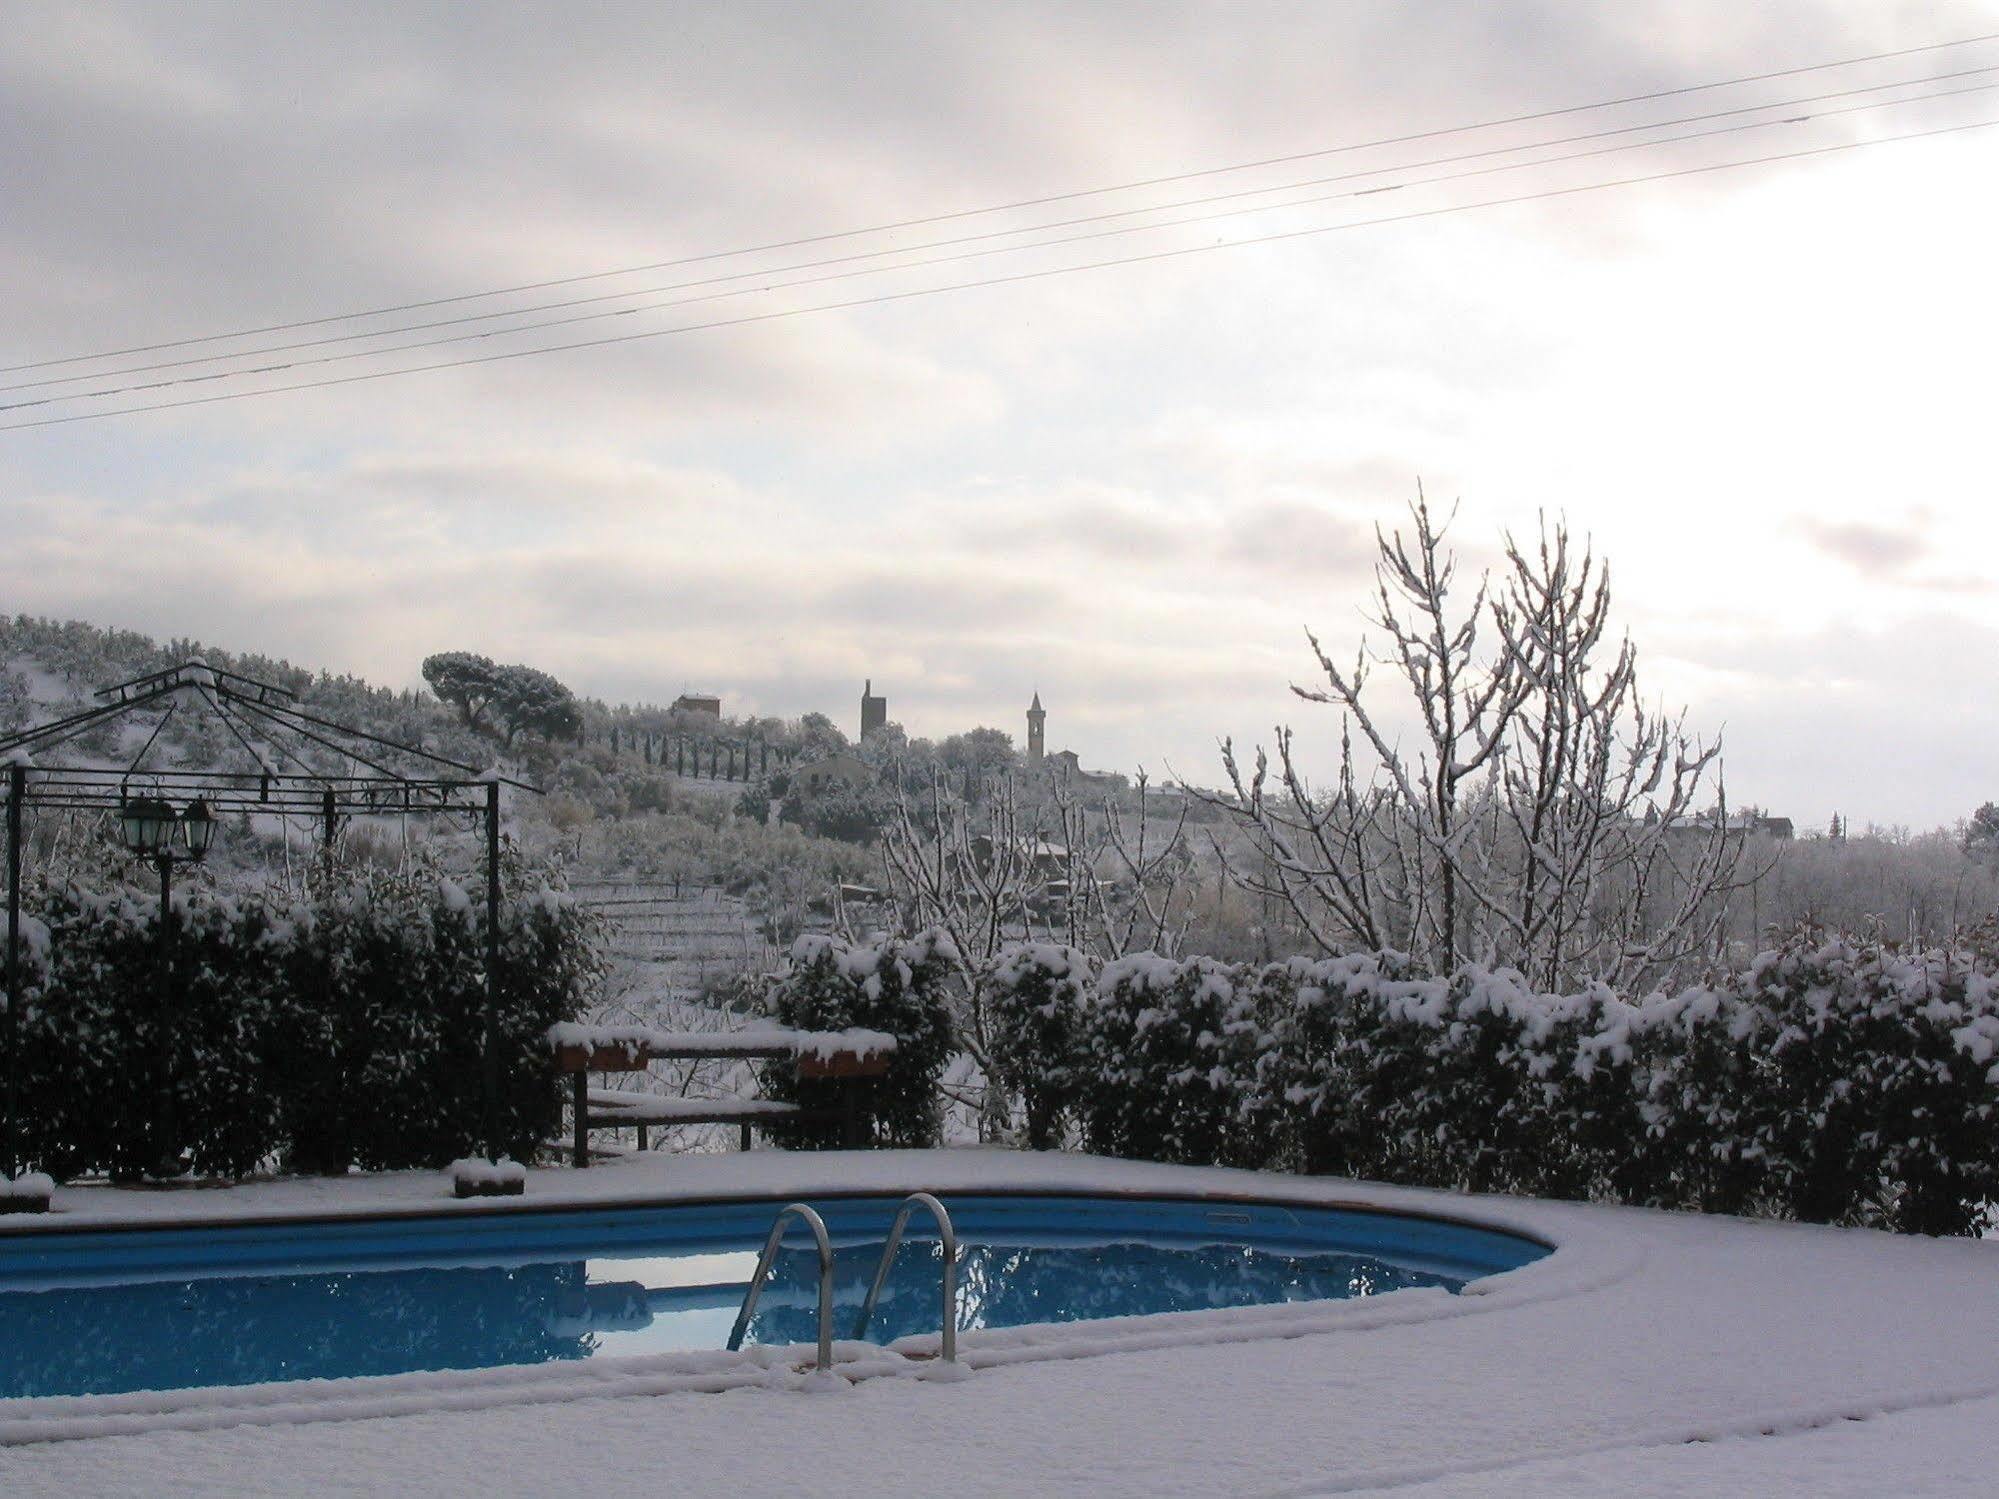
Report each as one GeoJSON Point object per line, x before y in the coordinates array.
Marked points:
{"type": "Point", "coordinates": [874, 710]}
{"type": "Point", "coordinates": [1751, 822]}
{"type": "Point", "coordinates": [1065, 765]}
{"type": "Point", "coordinates": [698, 702]}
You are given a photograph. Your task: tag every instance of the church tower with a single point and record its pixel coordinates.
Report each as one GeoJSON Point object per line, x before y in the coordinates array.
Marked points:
{"type": "Point", "coordinates": [1036, 742]}
{"type": "Point", "coordinates": [874, 710]}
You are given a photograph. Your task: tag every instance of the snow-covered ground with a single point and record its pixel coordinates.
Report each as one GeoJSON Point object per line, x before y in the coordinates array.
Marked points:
{"type": "Point", "coordinates": [1650, 1354]}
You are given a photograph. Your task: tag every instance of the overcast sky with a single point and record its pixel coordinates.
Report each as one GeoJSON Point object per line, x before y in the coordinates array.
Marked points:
{"type": "Point", "coordinates": [1767, 394]}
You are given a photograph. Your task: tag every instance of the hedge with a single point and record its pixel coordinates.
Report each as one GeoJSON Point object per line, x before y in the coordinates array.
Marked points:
{"type": "Point", "coordinates": [898, 987]}
{"type": "Point", "coordinates": [1834, 1080]}
{"type": "Point", "coordinates": [340, 1028]}
{"type": "Point", "coordinates": [1035, 998]}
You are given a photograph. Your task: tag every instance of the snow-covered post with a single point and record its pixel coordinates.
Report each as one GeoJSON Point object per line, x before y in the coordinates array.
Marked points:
{"type": "Point", "coordinates": [164, 1008]}
{"type": "Point", "coordinates": [17, 788]}
{"type": "Point", "coordinates": [491, 1059]}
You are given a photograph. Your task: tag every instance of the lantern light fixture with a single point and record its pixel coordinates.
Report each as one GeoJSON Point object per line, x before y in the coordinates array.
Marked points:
{"type": "Point", "coordinates": [197, 826]}
{"type": "Point", "coordinates": [146, 824]}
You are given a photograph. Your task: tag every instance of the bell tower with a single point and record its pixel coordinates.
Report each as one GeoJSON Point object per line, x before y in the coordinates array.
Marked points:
{"type": "Point", "coordinates": [874, 710]}
{"type": "Point", "coordinates": [1037, 717]}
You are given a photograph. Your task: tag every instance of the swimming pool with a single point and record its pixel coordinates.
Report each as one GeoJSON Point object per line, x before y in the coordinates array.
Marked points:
{"type": "Point", "coordinates": [110, 1311]}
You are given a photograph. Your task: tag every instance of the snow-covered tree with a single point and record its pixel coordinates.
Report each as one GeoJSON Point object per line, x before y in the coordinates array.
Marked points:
{"type": "Point", "coordinates": [525, 699]}
{"type": "Point", "coordinates": [464, 680]}
{"type": "Point", "coordinates": [1543, 816]}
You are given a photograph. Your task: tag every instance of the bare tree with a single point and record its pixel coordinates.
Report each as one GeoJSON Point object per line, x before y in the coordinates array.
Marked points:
{"type": "Point", "coordinates": [1122, 880]}
{"type": "Point", "coordinates": [1603, 867]}
{"type": "Point", "coordinates": [1024, 862]}
{"type": "Point", "coordinates": [1545, 818]}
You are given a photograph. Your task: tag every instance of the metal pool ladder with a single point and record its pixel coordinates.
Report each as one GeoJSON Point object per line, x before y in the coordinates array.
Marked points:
{"type": "Point", "coordinates": [946, 1234]}
{"type": "Point", "coordinates": [949, 1238]}
{"type": "Point", "coordinates": [825, 1246]}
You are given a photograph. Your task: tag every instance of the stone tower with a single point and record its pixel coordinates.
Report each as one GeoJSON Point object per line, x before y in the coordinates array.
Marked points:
{"type": "Point", "coordinates": [874, 710]}
{"type": "Point", "coordinates": [1036, 738]}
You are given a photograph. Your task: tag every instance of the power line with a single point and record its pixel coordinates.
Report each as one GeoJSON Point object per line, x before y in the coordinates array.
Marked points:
{"type": "Point", "coordinates": [517, 312]}
{"type": "Point", "coordinates": [547, 323]}
{"type": "Point", "coordinates": [1043, 201]}
{"type": "Point", "coordinates": [1009, 279]}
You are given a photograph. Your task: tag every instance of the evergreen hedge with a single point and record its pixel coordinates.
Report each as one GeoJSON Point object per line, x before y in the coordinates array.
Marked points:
{"type": "Point", "coordinates": [341, 1028]}
{"type": "Point", "coordinates": [1166, 1059]}
{"type": "Point", "coordinates": [1834, 1080]}
{"type": "Point", "coordinates": [1036, 994]}
{"type": "Point", "coordinates": [900, 988]}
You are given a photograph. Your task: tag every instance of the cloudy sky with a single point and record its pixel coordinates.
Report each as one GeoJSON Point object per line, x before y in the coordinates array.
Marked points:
{"type": "Point", "coordinates": [1766, 394]}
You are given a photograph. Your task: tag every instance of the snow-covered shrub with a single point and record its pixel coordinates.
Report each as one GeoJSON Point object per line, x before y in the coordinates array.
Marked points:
{"type": "Point", "coordinates": [345, 1029]}
{"type": "Point", "coordinates": [1349, 1057]}
{"type": "Point", "coordinates": [1037, 997]}
{"type": "Point", "coordinates": [1270, 1003]}
{"type": "Point", "coordinates": [1877, 1100]}
{"type": "Point", "coordinates": [897, 987]}
{"type": "Point", "coordinates": [227, 999]}
{"type": "Point", "coordinates": [1697, 1099]}
{"type": "Point", "coordinates": [383, 1061]}
{"type": "Point", "coordinates": [1404, 1077]}
{"type": "Point", "coordinates": [1833, 1082]}
{"type": "Point", "coordinates": [1537, 1087]}
{"type": "Point", "coordinates": [88, 1068]}
{"type": "Point", "coordinates": [1170, 1064]}
{"type": "Point", "coordinates": [105, 1032]}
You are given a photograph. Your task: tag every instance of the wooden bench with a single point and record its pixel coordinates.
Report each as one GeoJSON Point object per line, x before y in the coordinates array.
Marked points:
{"type": "Point", "coordinates": [613, 1108]}
{"type": "Point", "coordinates": [580, 1051]}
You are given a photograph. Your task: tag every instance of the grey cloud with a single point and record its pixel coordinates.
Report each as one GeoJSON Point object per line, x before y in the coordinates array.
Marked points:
{"type": "Point", "coordinates": [1302, 541]}
{"type": "Point", "coordinates": [826, 593]}
{"type": "Point", "coordinates": [1877, 551]}
{"type": "Point", "coordinates": [1152, 537]}
{"type": "Point", "coordinates": [1917, 658]}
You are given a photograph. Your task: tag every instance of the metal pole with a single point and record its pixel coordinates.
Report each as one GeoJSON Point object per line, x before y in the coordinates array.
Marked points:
{"type": "Point", "coordinates": [17, 786]}
{"type": "Point", "coordinates": [491, 1060]}
{"type": "Point", "coordinates": [169, 1154]}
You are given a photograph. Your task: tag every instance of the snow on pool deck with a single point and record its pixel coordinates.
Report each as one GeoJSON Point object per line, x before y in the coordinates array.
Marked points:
{"type": "Point", "coordinates": [1652, 1353]}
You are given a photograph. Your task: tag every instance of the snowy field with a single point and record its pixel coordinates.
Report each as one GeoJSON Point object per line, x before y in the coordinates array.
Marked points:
{"type": "Point", "coordinates": [1651, 1354]}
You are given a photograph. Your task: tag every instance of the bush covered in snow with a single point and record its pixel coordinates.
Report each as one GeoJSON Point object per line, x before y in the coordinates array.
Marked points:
{"type": "Point", "coordinates": [1871, 1071]}
{"type": "Point", "coordinates": [341, 1028]}
{"type": "Point", "coordinates": [900, 988]}
{"type": "Point", "coordinates": [1833, 1081]}
{"type": "Point", "coordinates": [1171, 1049]}
{"type": "Point", "coordinates": [1037, 996]}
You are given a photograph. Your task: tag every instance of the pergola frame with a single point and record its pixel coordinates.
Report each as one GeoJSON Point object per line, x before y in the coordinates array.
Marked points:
{"type": "Point", "coordinates": [266, 721]}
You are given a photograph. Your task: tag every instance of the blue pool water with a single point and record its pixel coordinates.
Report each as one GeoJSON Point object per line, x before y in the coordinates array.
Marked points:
{"type": "Point", "coordinates": [104, 1312]}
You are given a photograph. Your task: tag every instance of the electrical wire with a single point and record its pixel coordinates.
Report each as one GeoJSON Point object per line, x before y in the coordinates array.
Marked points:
{"type": "Point", "coordinates": [1037, 202]}
{"type": "Point", "coordinates": [1009, 279]}
{"type": "Point", "coordinates": [602, 297]}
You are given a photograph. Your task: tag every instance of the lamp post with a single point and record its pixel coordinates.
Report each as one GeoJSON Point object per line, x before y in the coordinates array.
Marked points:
{"type": "Point", "coordinates": [152, 829]}
{"type": "Point", "coordinates": [17, 790]}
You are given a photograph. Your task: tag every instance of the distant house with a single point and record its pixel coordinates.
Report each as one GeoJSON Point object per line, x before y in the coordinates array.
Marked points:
{"type": "Point", "coordinates": [1043, 858]}
{"type": "Point", "coordinates": [1063, 765]}
{"type": "Point", "coordinates": [698, 702]}
{"type": "Point", "coordinates": [1066, 765]}
{"type": "Point", "coordinates": [1750, 823]}
{"type": "Point", "coordinates": [848, 772]}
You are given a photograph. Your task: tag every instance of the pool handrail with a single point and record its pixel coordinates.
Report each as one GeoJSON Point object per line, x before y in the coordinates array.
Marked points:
{"type": "Point", "coordinates": [813, 1221]}
{"type": "Point", "coordinates": [949, 1238]}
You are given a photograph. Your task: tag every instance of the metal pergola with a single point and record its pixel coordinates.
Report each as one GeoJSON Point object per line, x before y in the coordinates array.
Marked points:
{"type": "Point", "coordinates": [305, 766]}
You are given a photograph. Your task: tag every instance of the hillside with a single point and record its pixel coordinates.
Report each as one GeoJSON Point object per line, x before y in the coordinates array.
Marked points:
{"type": "Point", "coordinates": [720, 891]}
